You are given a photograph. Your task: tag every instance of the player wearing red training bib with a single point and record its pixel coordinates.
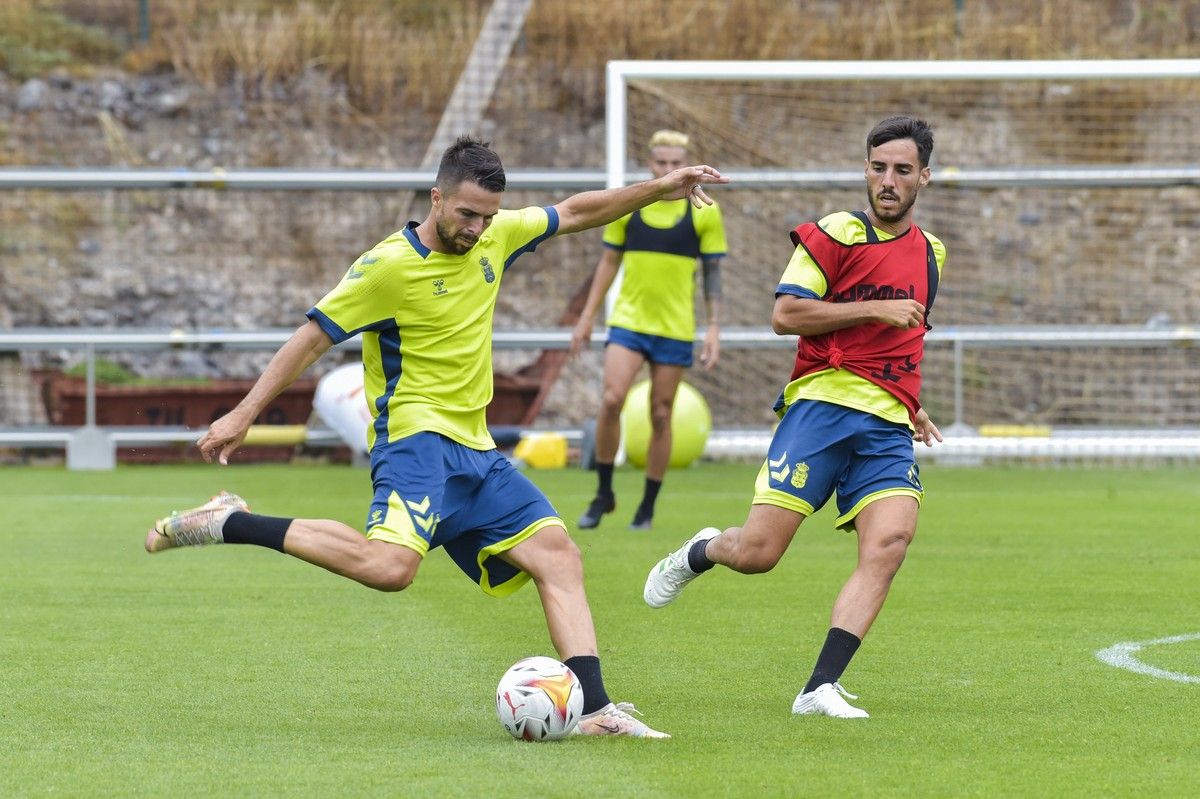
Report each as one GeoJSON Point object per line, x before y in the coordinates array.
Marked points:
{"type": "Point", "coordinates": [857, 292]}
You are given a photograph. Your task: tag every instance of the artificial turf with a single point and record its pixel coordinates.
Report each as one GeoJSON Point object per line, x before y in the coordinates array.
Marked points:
{"type": "Point", "coordinates": [234, 671]}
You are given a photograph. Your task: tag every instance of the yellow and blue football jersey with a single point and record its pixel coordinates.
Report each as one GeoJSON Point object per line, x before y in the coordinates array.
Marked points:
{"type": "Point", "coordinates": [658, 286]}
{"type": "Point", "coordinates": [426, 322]}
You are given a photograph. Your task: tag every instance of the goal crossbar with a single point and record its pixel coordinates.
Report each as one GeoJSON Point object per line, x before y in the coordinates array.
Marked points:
{"type": "Point", "coordinates": [619, 73]}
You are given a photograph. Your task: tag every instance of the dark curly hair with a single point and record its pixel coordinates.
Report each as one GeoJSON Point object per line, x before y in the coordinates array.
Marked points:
{"type": "Point", "coordinates": [902, 127]}
{"type": "Point", "coordinates": [472, 160]}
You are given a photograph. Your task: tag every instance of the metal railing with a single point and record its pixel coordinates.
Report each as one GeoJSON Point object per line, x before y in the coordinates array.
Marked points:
{"type": "Point", "coordinates": [91, 341]}
{"type": "Point", "coordinates": [1143, 176]}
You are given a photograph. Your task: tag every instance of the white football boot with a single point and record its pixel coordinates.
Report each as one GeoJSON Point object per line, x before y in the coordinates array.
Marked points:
{"type": "Point", "coordinates": [195, 527]}
{"type": "Point", "coordinates": [616, 719]}
{"type": "Point", "coordinates": [826, 700]}
{"type": "Point", "coordinates": [672, 573]}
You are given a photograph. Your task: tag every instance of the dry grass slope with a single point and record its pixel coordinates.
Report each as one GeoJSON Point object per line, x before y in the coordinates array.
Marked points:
{"type": "Point", "coordinates": [396, 54]}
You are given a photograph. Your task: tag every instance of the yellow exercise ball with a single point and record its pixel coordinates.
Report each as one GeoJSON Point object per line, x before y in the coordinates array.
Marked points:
{"type": "Point", "coordinates": [691, 423]}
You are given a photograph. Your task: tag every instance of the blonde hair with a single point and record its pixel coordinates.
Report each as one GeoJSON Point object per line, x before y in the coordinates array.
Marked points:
{"type": "Point", "coordinates": [668, 138]}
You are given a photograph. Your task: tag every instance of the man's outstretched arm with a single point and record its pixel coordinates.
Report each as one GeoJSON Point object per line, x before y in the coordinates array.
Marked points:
{"type": "Point", "coordinates": [591, 209]}
{"type": "Point", "coordinates": [300, 351]}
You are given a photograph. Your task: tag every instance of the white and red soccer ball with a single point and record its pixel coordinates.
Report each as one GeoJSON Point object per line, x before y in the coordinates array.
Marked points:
{"type": "Point", "coordinates": [539, 699]}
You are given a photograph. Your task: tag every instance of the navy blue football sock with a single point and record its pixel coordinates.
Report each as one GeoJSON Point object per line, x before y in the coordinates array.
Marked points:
{"type": "Point", "coordinates": [697, 558]}
{"type": "Point", "coordinates": [604, 472]}
{"type": "Point", "coordinates": [252, 528]}
{"type": "Point", "coordinates": [649, 497]}
{"type": "Point", "coordinates": [587, 669]}
{"type": "Point", "coordinates": [840, 646]}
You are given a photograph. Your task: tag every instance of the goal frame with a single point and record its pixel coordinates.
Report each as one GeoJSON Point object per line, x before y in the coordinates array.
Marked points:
{"type": "Point", "coordinates": [970, 447]}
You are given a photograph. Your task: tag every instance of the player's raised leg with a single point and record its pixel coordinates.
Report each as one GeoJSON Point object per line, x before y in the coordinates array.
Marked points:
{"type": "Point", "coordinates": [553, 561]}
{"type": "Point", "coordinates": [341, 549]}
{"type": "Point", "coordinates": [329, 544]}
{"type": "Point", "coordinates": [754, 547]}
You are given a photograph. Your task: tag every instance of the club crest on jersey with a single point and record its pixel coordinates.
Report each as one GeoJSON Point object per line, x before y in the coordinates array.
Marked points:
{"type": "Point", "coordinates": [439, 287]}
{"type": "Point", "coordinates": [800, 475]}
{"type": "Point", "coordinates": [488, 273]}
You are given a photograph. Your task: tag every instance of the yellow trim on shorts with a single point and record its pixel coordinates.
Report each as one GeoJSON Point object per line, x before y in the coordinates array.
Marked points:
{"type": "Point", "coordinates": [511, 585]}
{"type": "Point", "coordinates": [765, 495]}
{"type": "Point", "coordinates": [846, 520]}
{"type": "Point", "coordinates": [784, 500]}
{"type": "Point", "coordinates": [397, 528]}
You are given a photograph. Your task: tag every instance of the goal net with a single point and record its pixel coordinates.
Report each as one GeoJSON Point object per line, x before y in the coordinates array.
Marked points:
{"type": "Point", "coordinates": [1067, 195]}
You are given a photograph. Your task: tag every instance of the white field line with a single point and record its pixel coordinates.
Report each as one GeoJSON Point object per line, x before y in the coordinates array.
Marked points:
{"type": "Point", "coordinates": [1122, 656]}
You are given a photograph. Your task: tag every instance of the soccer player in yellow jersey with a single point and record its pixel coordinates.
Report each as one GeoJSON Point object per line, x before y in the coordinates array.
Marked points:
{"type": "Point", "coordinates": [423, 300]}
{"type": "Point", "coordinates": [652, 320]}
{"type": "Point", "coordinates": [857, 292]}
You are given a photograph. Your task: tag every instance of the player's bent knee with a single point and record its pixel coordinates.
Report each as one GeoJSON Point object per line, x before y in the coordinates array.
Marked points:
{"type": "Point", "coordinates": [758, 565]}
{"type": "Point", "coordinates": [888, 554]}
{"type": "Point", "coordinates": [392, 569]}
{"type": "Point", "coordinates": [556, 557]}
{"type": "Point", "coordinates": [564, 552]}
{"type": "Point", "coordinates": [390, 579]}
{"type": "Point", "coordinates": [756, 559]}
{"type": "Point", "coordinates": [660, 417]}
{"type": "Point", "coordinates": [612, 402]}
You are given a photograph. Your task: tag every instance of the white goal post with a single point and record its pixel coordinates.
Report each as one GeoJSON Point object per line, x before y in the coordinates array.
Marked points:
{"type": "Point", "coordinates": [1097, 439]}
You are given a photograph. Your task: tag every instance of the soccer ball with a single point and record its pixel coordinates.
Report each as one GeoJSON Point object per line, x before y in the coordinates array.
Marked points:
{"type": "Point", "coordinates": [539, 699]}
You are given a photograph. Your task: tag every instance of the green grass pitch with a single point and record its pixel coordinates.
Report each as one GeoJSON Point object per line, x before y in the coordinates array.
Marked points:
{"type": "Point", "coordinates": [234, 671]}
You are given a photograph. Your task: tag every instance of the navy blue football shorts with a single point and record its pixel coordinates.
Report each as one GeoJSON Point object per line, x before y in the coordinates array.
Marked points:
{"type": "Point", "coordinates": [655, 349]}
{"type": "Point", "coordinates": [431, 491]}
{"type": "Point", "coordinates": [820, 448]}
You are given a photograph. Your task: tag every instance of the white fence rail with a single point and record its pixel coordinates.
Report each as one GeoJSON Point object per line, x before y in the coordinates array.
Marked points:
{"type": "Point", "coordinates": [565, 180]}
{"type": "Point", "coordinates": [961, 445]}
{"type": "Point", "coordinates": [960, 338]}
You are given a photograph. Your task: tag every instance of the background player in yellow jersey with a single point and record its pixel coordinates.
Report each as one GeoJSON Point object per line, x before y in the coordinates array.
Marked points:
{"type": "Point", "coordinates": [652, 320]}
{"type": "Point", "coordinates": [423, 301]}
{"type": "Point", "coordinates": [857, 292]}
